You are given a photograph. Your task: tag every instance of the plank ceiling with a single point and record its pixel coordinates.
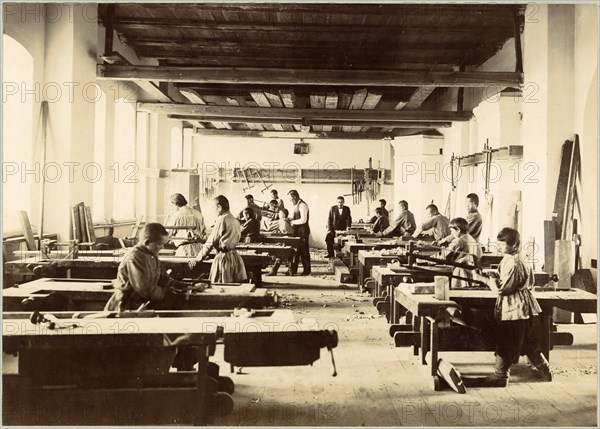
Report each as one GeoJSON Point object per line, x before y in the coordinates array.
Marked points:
{"type": "Point", "coordinates": [305, 42]}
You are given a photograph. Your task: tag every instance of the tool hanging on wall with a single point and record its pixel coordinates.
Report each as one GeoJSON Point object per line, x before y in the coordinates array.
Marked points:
{"type": "Point", "coordinates": [208, 190]}
{"type": "Point", "coordinates": [255, 172]}
{"type": "Point", "coordinates": [488, 167]}
{"type": "Point", "coordinates": [357, 187]}
{"type": "Point", "coordinates": [370, 182]}
{"type": "Point", "coordinates": [249, 185]}
{"type": "Point", "coordinates": [248, 175]}
{"type": "Point", "coordinates": [487, 150]}
{"type": "Point", "coordinates": [44, 113]}
{"type": "Point", "coordinates": [451, 194]}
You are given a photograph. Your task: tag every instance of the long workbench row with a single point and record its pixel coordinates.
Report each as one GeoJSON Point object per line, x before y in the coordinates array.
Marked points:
{"type": "Point", "coordinates": [115, 368]}
{"type": "Point", "coordinates": [101, 264]}
{"type": "Point", "coordinates": [105, 267]}
{"type": "Point", "coordinates": [80, 365]}
{"type": "Point", "coordinates": [463, 321]}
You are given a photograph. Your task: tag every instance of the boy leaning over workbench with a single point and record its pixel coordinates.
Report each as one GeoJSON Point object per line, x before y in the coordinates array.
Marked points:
{"type": "Point", "coordinates": [516, 311]}
{"type": "Point", "coordinates": [141, 278]}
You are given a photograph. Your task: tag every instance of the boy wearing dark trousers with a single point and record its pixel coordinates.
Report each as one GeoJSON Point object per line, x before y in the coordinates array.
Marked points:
{"type": "Point", "coordinates": [516, 312]}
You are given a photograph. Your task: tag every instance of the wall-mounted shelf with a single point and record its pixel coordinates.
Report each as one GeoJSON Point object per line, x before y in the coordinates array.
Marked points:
{"type": "Point", "coordinates": [303, 175]}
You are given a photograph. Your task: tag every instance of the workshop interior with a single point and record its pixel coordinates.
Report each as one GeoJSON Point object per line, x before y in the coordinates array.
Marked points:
{"type": "Point", "coordinates": [299, 214]}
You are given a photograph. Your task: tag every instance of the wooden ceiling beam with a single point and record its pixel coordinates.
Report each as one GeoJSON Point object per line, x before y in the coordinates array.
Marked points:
{"type": "Point", "coordinates": [233, 112]}
{"type": "Point", "coordinates": [262, 101]}
{"type": "Point", "coordinates": [181, 50]}
{"type": "Point", "coordinates": [320, 122]}
{"type": "Point", "coordinates": [379, 45]}
{"type": "Point", "coordinates": [401, 10]}
{"type": "Point", "coordinates": [154, 90]}
{"type": "Point", "coordinates": [288, 97]}
{"type": "Point", "coordinates": [401, 92]}
{"type": "Point", "coordinates": [470, 38]}
{"type": "Point", "coordinates": [331, 102]}
{"type": "Point", "coordinates": [370, 103]}
{"type": "Point", "coordinates": [337, 59]}
{"type": "Point", "coordinates": [233, 40]}
{"type": "Point", "coordinates": [317, 101]}
{"type": "Point", "coordinates": [288, 76]}
{"type": "Point", "coordinates": [302, 135]}
{"type": "Point", "coordinates": [275, 101]}
{"type": "Point", "coordinates": [356, 103]}
{"type": "Point", "coordinates": [331, 63]}
{"type": "Point", "coordinates": [418, 97]}
{"type": "Point", "coordinates": [127, 24]}
{"type": "Point", "coordinates": [236, 102]}
{"type": "Point", "coordinates": [195, 98]}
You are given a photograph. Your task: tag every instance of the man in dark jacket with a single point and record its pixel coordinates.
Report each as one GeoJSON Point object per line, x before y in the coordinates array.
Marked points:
{"type": "Point", "coordinates": [384, 211]}
{"type": "Point", "coordinates": [339, 220]}
{"type": "Point", "coordinates": [382, 222]}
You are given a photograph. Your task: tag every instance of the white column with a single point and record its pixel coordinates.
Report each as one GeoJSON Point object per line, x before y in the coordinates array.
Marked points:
{"type": "Point", "coordinates": [547, 112]}
{"type": "Point", "coordinates": [418, 172]}
{"type": "Point", "coordinates": [498, 123]}
{"type": "Point", "coordinates": [70, 145]}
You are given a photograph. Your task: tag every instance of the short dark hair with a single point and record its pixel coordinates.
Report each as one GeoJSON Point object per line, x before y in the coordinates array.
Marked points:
{"type": "Point", "coordinates": [179, 200]}
{"type": "Point", "coordinates": [153, 232]}
{"type": "Point", "coordinates": [286, 212]}
{"type": "Point", "coordinates": [294, 193]}
{"type": "Point", "coordinates": [273, 202]}
{"type": "Point", "coordinates": [433, 208]}
{"type": "Point", "coordinates": [274, 191]}
{"type": "Point", "coordinates": [404, 204]}
{"type": "Point", "coordinates": [249, 211]}
{"type": "Point", "coordinates": [249, 196]}
{"type": "Point", "coordinates": [222, 201]}
{"type": "Point", "coordinates": [378, 210]}
{"type": "Point", "coordinates": [509, 236]}
{"type": "Point", "coordinates": [341, 198]}
{"type": "Point", "coordinates": [474, 198]}
{"type": "Point", "coordinates": [382, 201]}
{"type": "Point", "coordinates": [461, 224]}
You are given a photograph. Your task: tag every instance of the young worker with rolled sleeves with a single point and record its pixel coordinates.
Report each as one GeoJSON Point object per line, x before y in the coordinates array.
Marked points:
{"type": "Point", "coordinates": [141, 277]}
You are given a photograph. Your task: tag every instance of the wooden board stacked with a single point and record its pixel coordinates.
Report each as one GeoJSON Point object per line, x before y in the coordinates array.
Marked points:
{"type": "Point", "coordinates": [81, 221]}
{"type": "Point", "coordinates": [560, 233]}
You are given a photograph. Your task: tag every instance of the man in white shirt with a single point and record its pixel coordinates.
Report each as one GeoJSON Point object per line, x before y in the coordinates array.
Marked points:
{"type": "Point", "coordinates": [299, 215]}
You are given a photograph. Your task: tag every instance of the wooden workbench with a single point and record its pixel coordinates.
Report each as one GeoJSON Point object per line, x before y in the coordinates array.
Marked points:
{"type": "Point", "coordinates": [387, 279]}
{"type": "Point", "coordinates": [367, 259]}
{"type": "Point", "coordinates": [275, 238]}
{"type": "Point", "coordinates": [115, 371]}
{"type": "Point", "coordinates": [276, 250]}
{"type": "Point", "coordinates": [429, 333]}
{"type": "Point", "coordinates": [50, 294]}
{"type": "Point", "coordinates": [105, 267]}
{"type": "Point", "coordinates": [280, 251]}
{"type": "Point", "coordinates": [351, 248]}
{"type": "Point", "coordinates": [341, 237]}
{"type": "Point", "coordinates": [362, 225]}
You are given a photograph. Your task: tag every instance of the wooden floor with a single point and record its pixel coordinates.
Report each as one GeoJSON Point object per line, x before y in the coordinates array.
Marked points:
{"type": "Point", "coordinates": [380, 385]}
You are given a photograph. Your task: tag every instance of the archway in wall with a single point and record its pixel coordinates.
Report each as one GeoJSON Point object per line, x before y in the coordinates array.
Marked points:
{"type": "Point", "coordinates": [17, 132]}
